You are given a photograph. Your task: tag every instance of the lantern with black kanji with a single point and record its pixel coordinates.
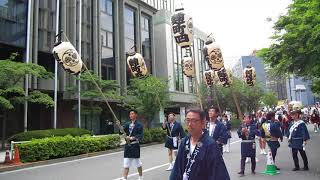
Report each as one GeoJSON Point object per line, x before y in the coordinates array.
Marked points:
{"type": "Point", "coordinates": [209, 77]}
{"type": "Point", "coordinates": [225, 77]}
{"type": "Point", "coordinates": [188, 66]}
{"type": "Point", "coordinates": [182, 28]}
{"type": "Point", "coordinates": [68, 57]}
{"type": "Point", "coordinates": [249, 75]}
{"type": "Point", "coordinates": [213, 55]}
{"type": "Point", "coordinates": [136, 64]}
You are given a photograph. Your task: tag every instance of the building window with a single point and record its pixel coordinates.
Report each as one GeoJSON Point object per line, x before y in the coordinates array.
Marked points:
{"type": "Point", "coordinates": [106, 34]}
{"type": "Point", "coordinates": [129, 33]}
{"type": "Point", "coordinates": [178, 73]}
{"type": "Point", "coordinates": [13, 16]}
{"type": "Point", "coordinates": [106, 7]}
{"type": "Point", "coordinates": [146, 41]}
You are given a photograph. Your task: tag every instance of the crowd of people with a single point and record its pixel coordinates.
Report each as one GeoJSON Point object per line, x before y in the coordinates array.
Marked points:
{"type": "Point", "coordinates": [198, 154]}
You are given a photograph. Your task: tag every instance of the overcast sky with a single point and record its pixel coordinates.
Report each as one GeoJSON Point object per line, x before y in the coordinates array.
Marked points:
{"type": "Point", "coordinates": [239, 26]}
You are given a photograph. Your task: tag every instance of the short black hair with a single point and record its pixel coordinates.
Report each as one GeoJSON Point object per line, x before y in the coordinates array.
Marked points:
{"type": "Point", "coordinates": [172, 113]}
{"type": "Point", "coordinates": [216, 109]}
{"type": "Point", "coordinates": [270, 115]}
{"type": "Point", "coordinates": [133, 110]}
{"type": "Point", "coordinates": [198, 111]}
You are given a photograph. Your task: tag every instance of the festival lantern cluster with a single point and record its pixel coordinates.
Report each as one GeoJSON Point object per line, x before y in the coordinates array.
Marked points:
{"type": "Point", "coordinates": [182, 28]}
{"type": "Point", "coordinates": [214, 58]}
{"type": "Point", "coordinates": [249, 75]}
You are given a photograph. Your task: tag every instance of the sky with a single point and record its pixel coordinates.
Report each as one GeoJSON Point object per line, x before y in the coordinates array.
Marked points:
{"type": "Point", "coordinates": [238, 26]}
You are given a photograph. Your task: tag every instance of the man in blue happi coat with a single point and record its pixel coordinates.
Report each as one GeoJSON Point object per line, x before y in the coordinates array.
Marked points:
{"type": "Point", "coordinates": [134, 132]}
{"type": "Point", "coordinates": [216, 129]}
{"type": "Point", "coordinates": [271, 132]}
{"type": "Point", "coordinates": [247, 132]}
{"type": "Point", "coordinates": [198, 155]}
{"type": "Point", "coordinates": [175, 133]}
{"type": "Point", "coordinates": [298, 137]}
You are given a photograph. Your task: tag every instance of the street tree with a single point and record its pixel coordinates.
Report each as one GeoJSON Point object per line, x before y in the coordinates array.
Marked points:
{"type": "Point", "coordinates": [92, 100]}
{"type": "Point", "coordinates": [12, 92]}
{"type": "Point", "coordinates": [148, 95]}
{"type": "Point", "coordinates": [296, 47]}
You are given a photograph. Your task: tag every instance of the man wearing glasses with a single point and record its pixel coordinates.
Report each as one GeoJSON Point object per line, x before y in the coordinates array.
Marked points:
{"type": "Point", "coordinates": [198, 155]}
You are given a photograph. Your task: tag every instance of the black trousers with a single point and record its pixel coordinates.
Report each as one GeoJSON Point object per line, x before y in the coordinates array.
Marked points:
{"type": "Point", "coordinates": [220, 147]}
{"type": "Point", "coordinates": [274, 153]}
{"type": "Point", "coordinates": [243, 163]}
{"type": "Point", "coordinates": [295, 157]}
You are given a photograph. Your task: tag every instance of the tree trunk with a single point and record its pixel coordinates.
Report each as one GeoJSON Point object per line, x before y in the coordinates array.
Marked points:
{"type": "Point", "coordinates": [240, 115]}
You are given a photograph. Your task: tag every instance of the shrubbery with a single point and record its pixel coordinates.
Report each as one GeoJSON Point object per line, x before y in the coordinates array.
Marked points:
{"type": "Point", "coordinates": [39, 134]}
{"type": "Point", "coordinates": [57, 147]}
{"type": "Point", "coordinates": [153, 135]}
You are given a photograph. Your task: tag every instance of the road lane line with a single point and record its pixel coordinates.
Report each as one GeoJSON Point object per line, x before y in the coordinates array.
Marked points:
{"type": "Point", "coordinates": [150, 169]}
{"type": "Point", "coordinates": [65, 162]}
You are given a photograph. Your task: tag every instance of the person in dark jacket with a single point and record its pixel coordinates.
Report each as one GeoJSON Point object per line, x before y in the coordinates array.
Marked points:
{"type": "Point", "coordinates": [198, 155]}
{"type": "Point", "coordinates": [298, 136]}
{"type": "Point", "coordinates": [216, 128]}
{"type": "Point", "coordinates": [247, 133]}
{"type": "Point", "coordinates": [175, 133]}
{"type": "Point", "coordinates": [134, 132]}
{"type": "Point", "coordinates": [271, 132]}
{"type": "Point", "coordinates": [227, 123]}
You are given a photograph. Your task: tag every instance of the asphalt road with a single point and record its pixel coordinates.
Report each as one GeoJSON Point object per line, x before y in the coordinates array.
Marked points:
{"type": "Point", "coordinates": [155, 161]}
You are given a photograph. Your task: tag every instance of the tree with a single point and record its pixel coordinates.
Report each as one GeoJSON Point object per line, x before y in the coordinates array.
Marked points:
{"type": "Point", "coordinates": [269, 99]}
{"type": "Point", "coordinates": [12, 93]}
{"type": "Point", "coordinates": [247, 96]}
{"type": "Point", "coordinates": [297, 42]}
{"type": "Point", "coordinates": [91, 94]}
{"type": "Point", "coordinates": [147, 95]}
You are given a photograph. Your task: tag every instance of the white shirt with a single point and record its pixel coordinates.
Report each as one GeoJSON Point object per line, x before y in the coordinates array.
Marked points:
{"type": "Point", "coordinates": [192, 147]}
{"type": "Point", "coordinates": [212, 126]}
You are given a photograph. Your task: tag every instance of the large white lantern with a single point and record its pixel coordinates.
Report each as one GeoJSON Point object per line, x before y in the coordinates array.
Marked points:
{"type": "Point", "coordinates": [68, 57]}
{"type": "Point", "coordinates": [249, 75]}
{"type": "Point", "coordinates": [182, 28]}
{"type": "Point", "coordinates": [213, 55]}
{"type": "Point", "coordinates": [188, 66]}
{"type": "Point", "coordinates": [209, 77]}
{"type": "Point", "coordinates": [136, 64]}
{"type": "Point", "coordinates": [225, 77]}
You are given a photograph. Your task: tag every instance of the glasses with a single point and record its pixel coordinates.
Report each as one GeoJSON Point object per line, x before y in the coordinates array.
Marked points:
{"type": "Point", "coordinates": [192, 121]}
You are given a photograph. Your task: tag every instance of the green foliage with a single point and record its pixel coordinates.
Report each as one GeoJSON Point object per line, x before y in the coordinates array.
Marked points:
{"type": "Point", "coordinates": [147, 95]}
{"type": "Point", "coordinates": [297, 42]}
{"type": "Point", "coordinates": [12, 75]}
{"type": "Point", "coordinates": [269, 99]}
{"type": "Point", "coordinates": [58, 147]}
{"type": "Point", "coordinates": [39, 134]}
{"type": "Point", "coordinates": [235, 123]}
{"type": "Point", "coordinates": [90, 92]}
{"type": "Point", "coordinates": [248, 96]}
{"type": "Point", "coordinates": [153, 135]}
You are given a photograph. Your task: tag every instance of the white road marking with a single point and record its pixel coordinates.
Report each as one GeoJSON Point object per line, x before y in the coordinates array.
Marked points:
{"type": "Point", "coordinates": [150, 169]}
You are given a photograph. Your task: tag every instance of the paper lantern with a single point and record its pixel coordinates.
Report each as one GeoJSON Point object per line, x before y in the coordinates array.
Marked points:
{"type": "Point", "coordinates": [249, 75]}
{"type": "Point", "coordinates": [137, 64]}
{"type": "Point", "coordinates": [182, 28]}
{"type": "Point", "coordinates": [68, 57]}
{"type": "Point", "coordinates": [188, 66]}
{"type": "Point", "coordinates": [225, 77]}
{"type": "Point", "coordinates": [209, 77]}
{"type": "Point", "coordinates": [213, 55]}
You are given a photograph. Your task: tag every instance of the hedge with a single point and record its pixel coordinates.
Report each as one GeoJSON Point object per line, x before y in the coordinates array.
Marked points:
{"type": "Point", "coordinates": [153, 135]}
{"type": "Point", "coordinates": [58, 147]}
{"type": "Point", "coordinates": [39, 134]}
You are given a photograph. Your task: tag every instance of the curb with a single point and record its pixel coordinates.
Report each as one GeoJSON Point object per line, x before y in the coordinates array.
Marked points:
{"type": "Point", "coordinates": [5, 168]}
